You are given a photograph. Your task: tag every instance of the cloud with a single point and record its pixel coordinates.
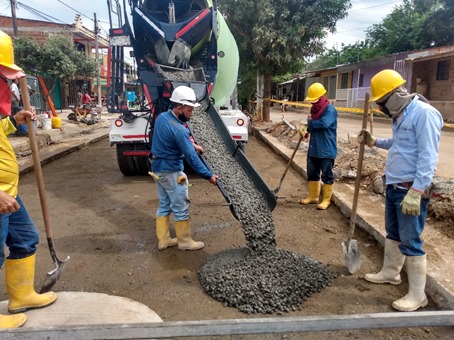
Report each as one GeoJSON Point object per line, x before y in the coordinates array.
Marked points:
{"type": "Point", "coordinates": [362, 15]}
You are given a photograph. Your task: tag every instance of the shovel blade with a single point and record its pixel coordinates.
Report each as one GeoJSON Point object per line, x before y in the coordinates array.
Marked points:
{"type": "Point", "coordinates": [351, 255]}
{"type": "Point", "coordinates": [53, 276]}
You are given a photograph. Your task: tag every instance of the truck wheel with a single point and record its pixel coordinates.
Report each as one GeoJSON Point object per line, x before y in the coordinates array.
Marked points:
{"type": "Point", "coordinates": [142, 163]}
{"type": "Point", "coordinates": [126, 163]}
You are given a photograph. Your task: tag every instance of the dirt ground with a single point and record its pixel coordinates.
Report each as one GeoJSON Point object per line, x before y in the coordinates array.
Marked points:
{"type": "Point", "coordinates": [441, 208]}
{"type": "Point", "coordinates": [105, 223]}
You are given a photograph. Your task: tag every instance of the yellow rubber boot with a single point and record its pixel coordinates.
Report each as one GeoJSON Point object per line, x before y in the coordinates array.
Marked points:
{"type": "Point", "coordinates": [314, 193]}
{"type": "Point", "coordinates": [12, 321]}
{"type": "Point", "coordinates": [327, 193]}
{"type": "Point", "coordinates": [162, 233]}
{"type": "Point", "coordinates": [185, 241]}
{"type": "Point", "coordinates": [19, 282]}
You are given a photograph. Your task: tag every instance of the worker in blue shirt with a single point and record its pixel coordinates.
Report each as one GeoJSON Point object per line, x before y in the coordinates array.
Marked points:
{"type": "Point", "coordinates": [171, 144]}
{"type": "Point", "coordinates": [410, 166]}
{"type": "Point", "coordinates": [322, 128]}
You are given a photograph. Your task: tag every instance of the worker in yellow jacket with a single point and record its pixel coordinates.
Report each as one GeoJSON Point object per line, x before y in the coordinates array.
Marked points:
{"type": "Point", "coordinates": [17, 230]}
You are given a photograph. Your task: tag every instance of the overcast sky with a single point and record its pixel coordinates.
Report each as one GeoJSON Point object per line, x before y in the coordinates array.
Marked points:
{"type": "Point", "coordinates": [362, 15]}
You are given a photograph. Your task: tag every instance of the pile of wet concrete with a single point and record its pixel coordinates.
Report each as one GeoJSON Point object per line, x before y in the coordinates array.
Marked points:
{"type": "Point", "coordinates": [259, 278]}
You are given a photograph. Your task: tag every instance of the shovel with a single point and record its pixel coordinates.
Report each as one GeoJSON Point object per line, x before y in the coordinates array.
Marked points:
{"type": "Point", "coordinates": [350, 246]}
{"type": "Point", "coordinates": [288, 165]}
{"type": "Point", "coordinates": [54, 274]}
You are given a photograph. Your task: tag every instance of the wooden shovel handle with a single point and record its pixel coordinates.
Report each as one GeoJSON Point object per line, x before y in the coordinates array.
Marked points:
{"type": "Point", "coordinates": [359, 170]}
{"type": "Point", "coordinates": [35, 155]}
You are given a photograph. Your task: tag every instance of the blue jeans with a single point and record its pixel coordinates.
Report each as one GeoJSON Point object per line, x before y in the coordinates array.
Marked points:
{"type": "Point", "coordinates": [19, 233]}
{"type": "Point", "coordinates": [315, 166]}
{"type": "Point", "coordinates": [406, 229]}
{"type": "Point", "coordinates": [173, 197]}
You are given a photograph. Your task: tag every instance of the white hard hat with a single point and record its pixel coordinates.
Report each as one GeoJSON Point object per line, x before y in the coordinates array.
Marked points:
{"type": "Point", "coordinates": [184, 95]}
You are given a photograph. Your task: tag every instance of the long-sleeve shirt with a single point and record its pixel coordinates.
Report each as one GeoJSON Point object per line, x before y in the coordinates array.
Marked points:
{"type": "Point", "coordinates": [171, 145]}
{"type": "Point", "coordinates": [9, 169]}
{"type": "Point", "coordinates": [413, 147]}
{"type": "Point", "coordinates": [323, 141]}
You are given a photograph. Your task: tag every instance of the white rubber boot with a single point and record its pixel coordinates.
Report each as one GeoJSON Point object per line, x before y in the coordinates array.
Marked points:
{"type": "Point", "coordinates": [415, 298]}
{"type": "Point", "coordinates": [392, 265]}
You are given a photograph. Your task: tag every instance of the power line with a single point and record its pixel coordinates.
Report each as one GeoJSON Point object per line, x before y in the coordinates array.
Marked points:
{"type": "Point", "coordinates": [39, 14]}
{"type": "Point", "coordinates": [75, 10]}
{"type": "Point", "coordinates": [363, 8]}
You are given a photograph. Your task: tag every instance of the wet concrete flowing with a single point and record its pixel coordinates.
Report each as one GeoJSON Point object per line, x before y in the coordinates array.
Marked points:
{"type": "Point", "coordinates": [259, 278]}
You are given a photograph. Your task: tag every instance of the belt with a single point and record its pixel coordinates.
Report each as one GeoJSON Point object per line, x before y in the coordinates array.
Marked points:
{"type": "Point", "coordinates": [403, 185]}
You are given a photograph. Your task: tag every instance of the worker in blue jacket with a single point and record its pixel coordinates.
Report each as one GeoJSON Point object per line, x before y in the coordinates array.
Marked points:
{"type": "Point", "coordinates": [410, 166]}
{"type": "Point", "coordinates": [171, 144]}
{"type": "Point", "coordinates": [322, 126]}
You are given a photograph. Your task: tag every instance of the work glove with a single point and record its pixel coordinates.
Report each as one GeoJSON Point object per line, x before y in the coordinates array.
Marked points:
{"type": "Point", "coordinates": [366, 136]}
{"type": "Point", "coordinates": [180, 54]}
{"type": "Point", "coordinates": [411, 203]}
{"type": "Point", "coordinates": [303, 131]}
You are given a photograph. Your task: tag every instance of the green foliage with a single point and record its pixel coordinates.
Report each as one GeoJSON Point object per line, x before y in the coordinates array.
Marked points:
{"type": "Point", "coordinates": [438, 29]}
{"type": "Point", "coordinates": [413, 25]}
{"type": "Point", "coordinates": [275, 37]}
{"type": "Point", "coordinates": [278, 35]}
{"type": "Point", "coordinates": [57, 57]}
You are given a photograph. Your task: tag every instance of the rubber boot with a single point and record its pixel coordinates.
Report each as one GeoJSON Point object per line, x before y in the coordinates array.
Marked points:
{"type": "Point", "coordinates": [392, 265]}
{"type": "Point", "coordinates": [314, 193]}
{"type": "Point", "coordinates": [162, 233]}
{"type": "Point", "coordinates": [12, 321]}
{"type": "Point", "coordinates": [327, 193]}
{"type": "Point", "coordinates": [185, 241]}
{"type": "Point", "coordinates": [416, 273]}
{"type": "Point", "coordinates": [19, 282]}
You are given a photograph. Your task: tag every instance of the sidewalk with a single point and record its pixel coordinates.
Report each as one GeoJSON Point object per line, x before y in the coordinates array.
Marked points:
{"type": "Point", "coordinates": [370, 218]}
{"type": "Point", "coordinates": [56, 143]}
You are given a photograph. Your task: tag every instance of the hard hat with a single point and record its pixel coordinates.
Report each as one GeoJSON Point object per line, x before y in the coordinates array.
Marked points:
{"type": "Point", "coordinates": [184, 95]}
{"type": "Point", "coordinates": [315, 91]}
{"type": "Point", "coordinates": [7, 66]}
{"type": "Point", "coordinates": [384, 82]}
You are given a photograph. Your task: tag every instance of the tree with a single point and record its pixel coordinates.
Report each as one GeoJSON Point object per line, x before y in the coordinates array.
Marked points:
{"type": "Point", "coordinates": [402, 29]}
{"type": "Point", "coordinates": [56, 57]}
{"type": "Point", "coordinates": [276, 36]}
{"type": "Point", "coordinates": [438, 29]}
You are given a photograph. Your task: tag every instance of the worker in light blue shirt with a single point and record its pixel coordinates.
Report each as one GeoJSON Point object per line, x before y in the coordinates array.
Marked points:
{"type": "Point", "coordinates": [410, 167]}
{"type": "Point", "coordinates": [171, 144]}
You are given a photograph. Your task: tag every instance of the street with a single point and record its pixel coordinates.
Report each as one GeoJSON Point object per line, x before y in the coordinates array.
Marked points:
{"type": "Point", "coordinates": [105, 222]}
{"type": "Point", "coordinates": [349, 125]}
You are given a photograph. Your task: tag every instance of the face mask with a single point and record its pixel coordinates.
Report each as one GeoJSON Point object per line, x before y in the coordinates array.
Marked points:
{"type": "Point", "coordinates": [5, 98]}
{"type": "Point", "coordinates": [385, 110]}
{"type": "Point", "coordinates": [182, 117]}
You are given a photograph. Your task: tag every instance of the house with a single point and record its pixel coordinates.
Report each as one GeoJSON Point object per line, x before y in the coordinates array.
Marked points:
{"type": "Point", "coordinates": [428, 72]}
{"type": "Point", "coordinates": [84, 39]}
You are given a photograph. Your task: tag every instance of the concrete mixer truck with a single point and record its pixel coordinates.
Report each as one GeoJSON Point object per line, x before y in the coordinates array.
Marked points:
{"type": "Point", "coordinates": [172, 42]}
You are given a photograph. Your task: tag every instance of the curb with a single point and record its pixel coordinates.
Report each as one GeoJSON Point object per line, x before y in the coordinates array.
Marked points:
{"type": "Point", "coordinates": [60, 150]}
{"type": "Point", "coordinates": [435, 289]}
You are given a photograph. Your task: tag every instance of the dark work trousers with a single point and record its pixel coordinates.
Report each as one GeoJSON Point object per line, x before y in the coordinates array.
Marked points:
{"type": "Point", "coordinates": [315, 166]}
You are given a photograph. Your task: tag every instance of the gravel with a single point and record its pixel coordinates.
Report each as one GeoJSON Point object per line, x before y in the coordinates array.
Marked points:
{"type": "Point", "coordinates": [259, 278]}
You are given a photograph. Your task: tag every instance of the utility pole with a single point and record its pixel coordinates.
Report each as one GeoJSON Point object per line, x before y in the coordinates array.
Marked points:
{"type": "Point", "coordinates": [13, 16]}
{"type": "Point", "coordinates": [98, 76]}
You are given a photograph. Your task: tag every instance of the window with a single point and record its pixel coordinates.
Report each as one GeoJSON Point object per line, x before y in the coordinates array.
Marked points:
{"type": "Point", "coordinates": [361, 80]}
{"type": "Point", "coordinates": [443, 70]}
{"type": "Point", "coordinates": [344, 81]}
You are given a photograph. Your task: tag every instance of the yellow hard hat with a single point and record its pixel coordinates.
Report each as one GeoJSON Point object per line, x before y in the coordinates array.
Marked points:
{"type": "Point", "coordinates": [315, 91]}
{"type": "Point", "coordinates": [384, 82]}
{"type": "Point", "coordinates": [7, 66]}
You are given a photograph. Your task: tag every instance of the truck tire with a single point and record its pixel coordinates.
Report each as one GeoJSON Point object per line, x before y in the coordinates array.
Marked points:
{"type": "Point", "coordinates": [126, 163]}
{"type": "Point", "coordinates": [142, 163]}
